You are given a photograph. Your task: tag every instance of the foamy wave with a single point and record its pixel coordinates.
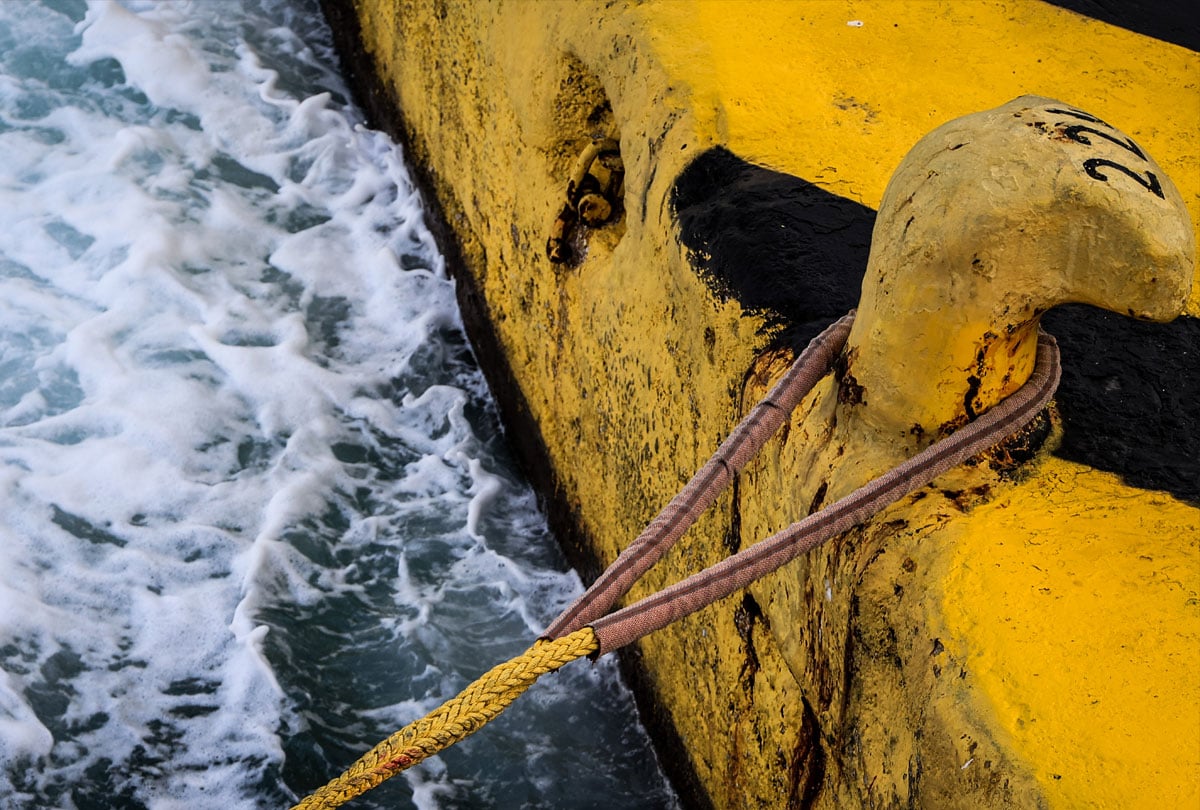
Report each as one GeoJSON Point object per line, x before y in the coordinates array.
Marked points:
{"type": "Point", "coordinates": [254, 510]}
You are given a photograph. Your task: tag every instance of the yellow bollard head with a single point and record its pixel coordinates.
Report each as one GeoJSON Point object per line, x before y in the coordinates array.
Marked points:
{"type": "Point", "coordinates": [989, 221]}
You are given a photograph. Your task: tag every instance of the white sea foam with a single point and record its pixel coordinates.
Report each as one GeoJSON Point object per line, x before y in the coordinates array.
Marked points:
{"type": "Point", "coordinates": [252, 513]}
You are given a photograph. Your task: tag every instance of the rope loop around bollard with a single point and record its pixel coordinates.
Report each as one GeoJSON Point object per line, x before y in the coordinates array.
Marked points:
{"type": "Point", "coordinates": [654, 612]}
{"type": "Point", "coordinates": [587, 627]}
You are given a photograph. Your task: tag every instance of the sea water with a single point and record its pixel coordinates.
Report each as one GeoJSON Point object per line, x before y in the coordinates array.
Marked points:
{"type": "Point", "coordinates": [256, 511]}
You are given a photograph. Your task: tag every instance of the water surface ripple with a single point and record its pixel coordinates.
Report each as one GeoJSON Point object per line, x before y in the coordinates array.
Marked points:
{"type": "Point", "coordinates": [255, 509]}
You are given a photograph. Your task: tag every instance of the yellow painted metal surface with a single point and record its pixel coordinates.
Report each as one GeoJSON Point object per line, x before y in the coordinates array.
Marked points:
{"type": "Point", "coordinates": [886, 650]}
{"type": "Point", "coordinates": [626, 363]}
{"type": "Point", "coordinates": [915, 312]}
{"type": "Point", "coordinates": [1076, 601]}
{"type": "Point", "coordinates": [838, 92]}
{"type": "Point", "coordinates": [989, 221]}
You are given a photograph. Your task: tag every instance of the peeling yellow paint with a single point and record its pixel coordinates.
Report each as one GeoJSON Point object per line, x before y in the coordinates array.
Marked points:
{"type": "Point", "coordinates": [797, 87]}
{"type": "Point", "coordinates": [633, 371]}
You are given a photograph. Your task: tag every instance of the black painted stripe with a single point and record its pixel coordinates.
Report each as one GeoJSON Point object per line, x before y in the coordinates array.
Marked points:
{"type": "Point", "coordinates": [1174, 21]}
{"type": "Point", "coordinates": [796, 253]}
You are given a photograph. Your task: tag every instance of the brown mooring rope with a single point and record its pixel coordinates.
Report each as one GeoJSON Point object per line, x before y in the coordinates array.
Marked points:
{"type": "Point", "coordinates": [709, 481]}
{"type": "Point", "coordinates": [738, 571]}
{"type": "Point", "coordinates": [584, 629]}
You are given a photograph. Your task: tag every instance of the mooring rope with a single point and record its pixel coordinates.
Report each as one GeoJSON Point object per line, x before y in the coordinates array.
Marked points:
{"type": "Point", "coordinates": [736, 572]}
{"type": "Point", "coordinates": [453, 720]}
{"type": "Point", "coordinates": [586, 627]}
{"type": "Point", "coordinates": [709, 481]}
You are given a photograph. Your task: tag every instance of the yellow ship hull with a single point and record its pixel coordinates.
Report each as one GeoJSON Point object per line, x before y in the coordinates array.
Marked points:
{"type": "Point", "coordinates": [1020, 640]}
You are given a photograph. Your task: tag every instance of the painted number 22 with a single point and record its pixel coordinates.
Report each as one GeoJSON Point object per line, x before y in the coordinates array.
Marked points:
{"type": "Point", "coordinates": [1082, 133]}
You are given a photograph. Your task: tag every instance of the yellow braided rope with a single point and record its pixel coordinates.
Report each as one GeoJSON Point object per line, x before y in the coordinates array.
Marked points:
{"type": "Point", "coordinates": [453, 720]}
